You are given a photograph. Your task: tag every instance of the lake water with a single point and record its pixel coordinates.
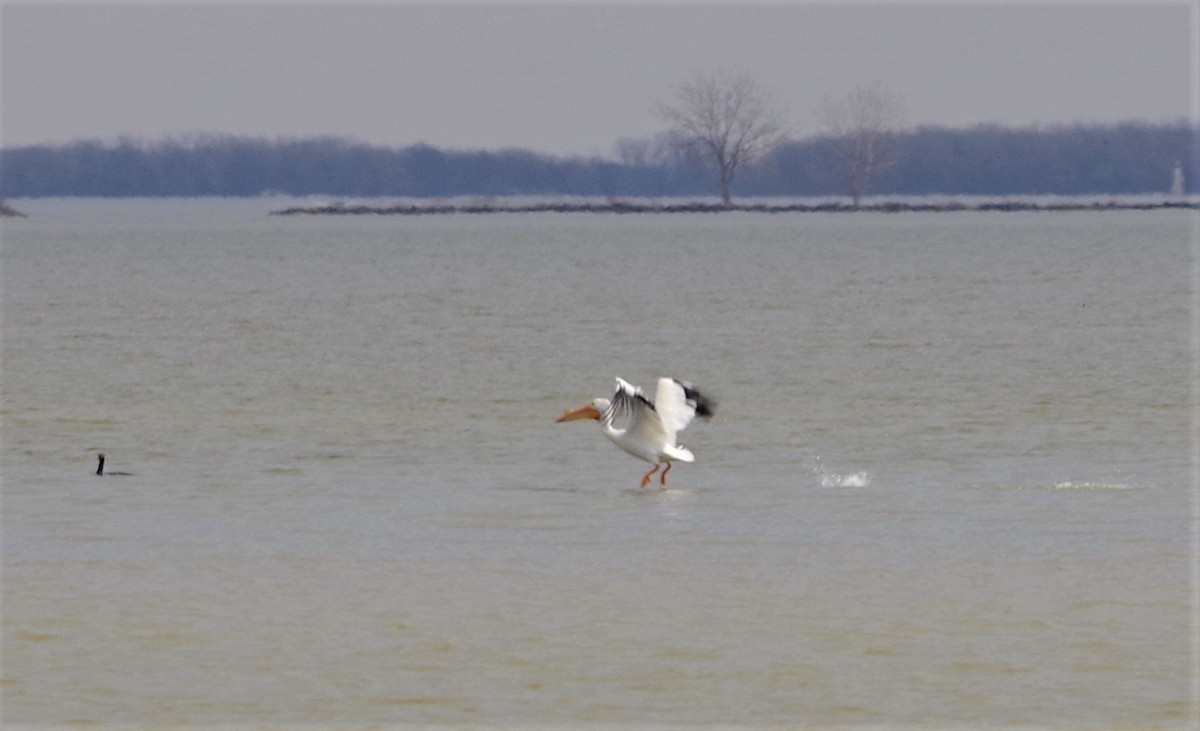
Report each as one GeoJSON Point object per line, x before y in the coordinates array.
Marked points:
{"type": "Point", "coordinates": [951, 481]}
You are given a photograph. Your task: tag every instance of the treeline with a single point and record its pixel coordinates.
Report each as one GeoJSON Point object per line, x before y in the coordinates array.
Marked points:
{"type": "Point", "coordinates": [986, 160]}
{"type": "Point", "coordinates": [991, 160]}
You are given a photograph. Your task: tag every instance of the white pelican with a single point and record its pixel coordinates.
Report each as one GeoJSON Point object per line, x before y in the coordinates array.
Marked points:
{"type": "Point", "coordinates": [650, 427]}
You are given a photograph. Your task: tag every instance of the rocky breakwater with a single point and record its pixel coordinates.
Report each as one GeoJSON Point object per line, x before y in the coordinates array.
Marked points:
{"type": "Point", "coordinates": [339, 209]}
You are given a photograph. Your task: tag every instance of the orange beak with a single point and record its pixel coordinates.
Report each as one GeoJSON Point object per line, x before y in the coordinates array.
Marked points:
{"type": "Point", "coordinates": [583, 412]}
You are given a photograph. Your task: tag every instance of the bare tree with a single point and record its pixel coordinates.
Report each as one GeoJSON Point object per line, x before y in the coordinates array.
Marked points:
{"type": "Point", "coordinates": [661, 150]}
{"type": "Point", "coordinates": [728, 118]}
{"type": "Point", "coordinates": [860, 130]}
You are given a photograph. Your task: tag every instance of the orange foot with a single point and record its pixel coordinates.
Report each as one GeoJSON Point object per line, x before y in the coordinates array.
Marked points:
{"type": "Point", "coordinates": [646, 477]}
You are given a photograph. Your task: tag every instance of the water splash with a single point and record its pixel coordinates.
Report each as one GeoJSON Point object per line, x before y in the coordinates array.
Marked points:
{"type": "Point", "coordinates": [1091, 486]}
{"type": "Point", "coordinates": [853, 479]}
{"type": "Point", "coordinates": [837, 479]}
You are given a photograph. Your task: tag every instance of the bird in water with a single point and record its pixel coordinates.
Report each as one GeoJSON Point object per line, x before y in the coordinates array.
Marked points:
{"type": "Point", "coordinates": [650, 427]}
{"type": "Point", "coordinates": [100, 469]}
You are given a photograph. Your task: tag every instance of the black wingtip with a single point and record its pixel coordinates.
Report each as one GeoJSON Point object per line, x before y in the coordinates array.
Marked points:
{"type": "Point", "coordinates": [705, 406]}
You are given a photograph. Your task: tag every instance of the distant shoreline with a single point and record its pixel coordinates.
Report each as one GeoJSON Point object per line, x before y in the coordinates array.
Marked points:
{"type": "Point", "coordinates": [7, 211]}
{"type": "Point", "coordinates": [336, 209]}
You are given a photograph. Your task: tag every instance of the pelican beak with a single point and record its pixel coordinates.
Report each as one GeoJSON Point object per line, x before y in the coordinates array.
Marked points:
{"type": "Point", "coordinates": [583, 412]}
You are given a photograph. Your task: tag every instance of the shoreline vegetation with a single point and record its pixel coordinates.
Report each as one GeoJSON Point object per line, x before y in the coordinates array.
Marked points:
{"type": "Point", "coordinates": [985, 162]}
{"type": "Point", "coordinates": [612, 206]}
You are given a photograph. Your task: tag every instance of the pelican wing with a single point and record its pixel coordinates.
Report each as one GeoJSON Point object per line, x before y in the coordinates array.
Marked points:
{"type": "Point", "coordinates": [643, 434]}
{"type": "Point", "coordinates": [631, 405]}
{"type": "Point", "coordinates": [677, 403]}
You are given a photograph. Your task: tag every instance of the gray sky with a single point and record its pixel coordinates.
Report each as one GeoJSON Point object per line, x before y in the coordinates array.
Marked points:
{"type": "Point", "coordinates": [570, 78]}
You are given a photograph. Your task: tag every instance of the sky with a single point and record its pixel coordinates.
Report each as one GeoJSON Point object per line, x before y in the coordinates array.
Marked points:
{"type": "Point", "coordinates": [571, 78]}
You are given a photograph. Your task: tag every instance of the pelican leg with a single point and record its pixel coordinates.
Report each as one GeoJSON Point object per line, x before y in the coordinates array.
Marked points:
{"type": "Point", "coordinates": [646, 477]}
{"type": "Point", "coordinates": [662, 479]}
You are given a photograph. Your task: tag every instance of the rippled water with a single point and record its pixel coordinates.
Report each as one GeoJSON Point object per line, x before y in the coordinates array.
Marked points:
{"type": "Point", "coordinates": [950, 481]}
